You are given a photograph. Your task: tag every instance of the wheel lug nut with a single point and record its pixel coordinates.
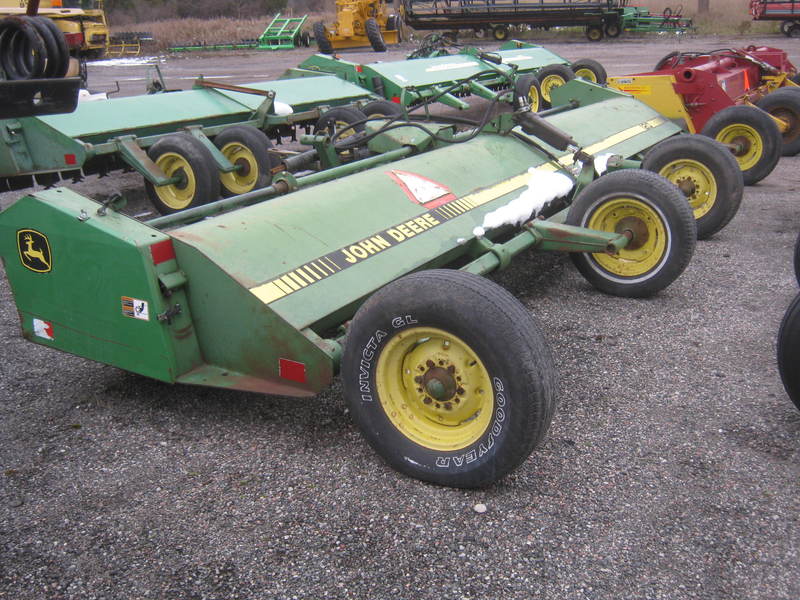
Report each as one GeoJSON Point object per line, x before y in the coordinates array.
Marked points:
{"type": "Point", "coordinates": [427, 400]}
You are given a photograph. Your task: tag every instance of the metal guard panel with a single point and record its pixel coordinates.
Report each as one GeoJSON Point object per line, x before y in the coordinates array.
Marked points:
{"type": "Point", "coordinates": [312, 252]}
{"type": "Point", "coordinates": [135, 115]}
{"type": "Point", "coordinates": [424, 72]}
{"type": "Point", "coordinates": [86, 297]}
{"type": "Point", "coordinates": [454, 67]}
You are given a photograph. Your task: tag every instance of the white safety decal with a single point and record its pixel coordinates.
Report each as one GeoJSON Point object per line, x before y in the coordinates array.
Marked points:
{"type": "Point", "coordinates": [43, 329]}
{"type": "Point", "coordinates": [422, 190]}
{"type": "Point", "coordinates": [133, 307]}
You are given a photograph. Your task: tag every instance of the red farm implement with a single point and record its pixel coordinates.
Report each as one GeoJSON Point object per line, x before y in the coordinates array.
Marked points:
{"type": "Point", "coordinates": [746, 98]}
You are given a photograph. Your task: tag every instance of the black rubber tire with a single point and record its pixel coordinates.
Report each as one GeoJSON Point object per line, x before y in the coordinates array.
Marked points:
{"type": "Point", "coordinates": [61, 44]}
{"type": "Point", "coordinates": [562, 72]}
{"type": "Point", "coordinates": [796, 261]}
{"type": "Point", "coordinates": [257, 144]}
{"type": "Point", "coordinates": [665, 203]}
{"type": "Point", "coordinates": [500, 33]}
{"type": "Point", "coordinates": [320, 35]}
{"type": "Point", "coordinates": [723, 168]}
{"type": "Point", "coordinates": [788, 347]}
{"type": "Point", "coordinates": [198, 159]}
{"type": "Point", "coordinates": [374, 35]}
{"type": "Point", "coordinates": [595, 68]}
{"type": "Point", "coordinates": [762, 125]}
{"type": "Point", "coordinates": [53, 57]}
{"type": "Point", "coordinates": [498, 331]}
{"type": "Point", "coordinates": [594, 33]}
{"type": "Point", "coordinates": [785, 105]}
{"type": "Point", "coordinates": [22, 49]}
{"type": "Point", "coordinates": [344, 114]}
{"type": "Point", "coordinates": [382, 108]}
{"type": "Point", "coordinates": [612, 29]}
{"type": "Point", "coordinates": [794, 31]}
{"type": "Point", "coordinates": [527, 87]}
{"type": "Point", "coordinates": [785, 25]}
{"type": "Point", "coordinates": [668, 61]}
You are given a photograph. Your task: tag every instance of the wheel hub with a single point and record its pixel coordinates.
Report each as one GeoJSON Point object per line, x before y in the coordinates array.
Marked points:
{"type": "Point", "coordinates": [439, 384]}
{"type": "Point", "coordinates": [183, 180]}
{"type": "Point", "coordinates": [687, 185]}
{"type": "Point", "coordinates": [740, 145]}
{"type": "Point", "coordinates": [636, 229]}
{"type": "Point", "coordinates": [242, 167]}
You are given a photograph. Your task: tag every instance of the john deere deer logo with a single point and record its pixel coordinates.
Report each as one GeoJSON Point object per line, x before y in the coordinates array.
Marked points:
{"type": "Point", "coordinates": [34, 250]}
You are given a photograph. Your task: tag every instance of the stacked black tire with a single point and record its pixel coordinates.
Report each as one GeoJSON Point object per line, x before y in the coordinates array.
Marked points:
{"type": "Point", "coordinates": [32, 48]}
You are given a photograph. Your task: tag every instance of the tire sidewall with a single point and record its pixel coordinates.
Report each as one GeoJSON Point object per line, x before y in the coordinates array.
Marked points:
{"type": "Point", "coordinates": [786, 99]}
{"type": "Point", "coordinates": [478, 463]}
{"type": "Point", "coordinates": [667, 202]}
{"type": "Point", "coordinates": [718, 160]}
{"type": "Point", "coordinates": [201, 162]}
{"type": "Point", "coordinates": [257, 143]}
{"type": "Point", "coordinates": [788, 351]}
{"type": "Point", "coordinates": [762, 124]}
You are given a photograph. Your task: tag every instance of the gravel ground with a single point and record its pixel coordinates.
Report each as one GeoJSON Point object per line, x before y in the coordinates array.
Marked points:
{"type": "Point", "coordinates": [671, 469]}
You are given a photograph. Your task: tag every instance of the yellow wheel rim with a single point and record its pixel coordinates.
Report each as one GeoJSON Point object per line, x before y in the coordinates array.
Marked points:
{"type": "Point", "coordinates": [177, 196]}
{"type": "Point", "coordinates": [586, 74]}
{"type": "Point", "coordinates": [245, 177]}
{"type": "Point", "coordinates": [533, 98]}
{"type": "Point", "coordinates": [750, 147]}
{"type": "Point", "coordinates": [344, 127]}
{"type": "Point", "coordinates": [549, 83]}
{"type": "Point", "coordinates": [648, 245]}
{"type": "Point", "coordinates": [434, 389]}
{"type": "Point", "coordinates": [696, 182]}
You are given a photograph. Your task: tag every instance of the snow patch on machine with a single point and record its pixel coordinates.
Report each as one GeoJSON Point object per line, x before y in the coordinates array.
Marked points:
{"type": "Point", "coordinates": [543, 187]}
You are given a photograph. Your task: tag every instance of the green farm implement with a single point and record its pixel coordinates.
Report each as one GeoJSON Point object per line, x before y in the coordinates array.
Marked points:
{"type": "Point", "coordinates": [283, 33]}
{"type": "Point", "coordinates": [451, 77]}
{"type": "Point", "coordinates": [168, 137]}
{"type": "Point", "coordinates": [599, 18]}
{"type": "Point", "coordinates": [369, 269]}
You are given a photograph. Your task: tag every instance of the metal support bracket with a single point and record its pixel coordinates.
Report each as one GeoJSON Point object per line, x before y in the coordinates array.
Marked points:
{"type": "Point", "coordinates": [220, 159]}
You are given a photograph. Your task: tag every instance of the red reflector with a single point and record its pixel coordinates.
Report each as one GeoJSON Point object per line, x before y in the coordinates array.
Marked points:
{"type": "Point", "coordinates": [396, 99]}
{"type": "Point", "coordinates": [162, 252]}
{"type": "Point", "coordinates": [359, 69]}
{"type": "Point", "coordinates": [70, 159]}
{"type": "Point", "coordinates": [292, 370]}
{"type": "Point", "coordinates": [74, 40]}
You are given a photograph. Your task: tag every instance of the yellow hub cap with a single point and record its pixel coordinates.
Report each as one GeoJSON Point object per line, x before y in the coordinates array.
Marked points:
{"type": "Point", "coordinates": [586, 74]}
{"type": "Point", "coordinates": [434, 389]}
{"type": "Point", "coordinates": [746, 140]}
{"type": "Point", "coordinates": [696, 182]}
{"type": "Point", "coordinates": [245, 177]}
{"type": "Point", "coordinates": [176, 195]}
{"type": "Point", "coordinates": [549, 83]}
{"type": "Point", "coordinates": [648, 236]}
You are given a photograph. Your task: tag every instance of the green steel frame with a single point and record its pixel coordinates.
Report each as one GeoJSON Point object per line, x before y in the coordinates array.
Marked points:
{"type": "Point", "coordinates": [251, 295]}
